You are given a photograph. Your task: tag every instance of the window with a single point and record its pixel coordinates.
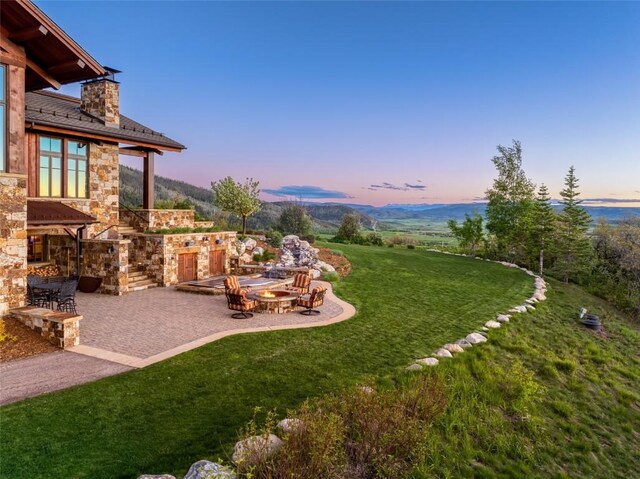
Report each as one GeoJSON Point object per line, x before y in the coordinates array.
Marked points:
{"type": "Point", "coordinates": [50, 167]}
{"type": "Point", "coordinates": [63, 168]}
{"type": "Point", "coordinates": [76, 169]}
{"type": "Point", "coordinates": [3, 119]}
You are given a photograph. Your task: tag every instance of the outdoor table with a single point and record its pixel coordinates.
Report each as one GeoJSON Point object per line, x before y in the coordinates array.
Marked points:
{"type": "Point", "coordinates": [51, 289]}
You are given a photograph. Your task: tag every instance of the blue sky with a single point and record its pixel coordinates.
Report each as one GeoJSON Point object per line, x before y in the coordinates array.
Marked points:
{"type": "Point", "coordinates": [324, 100]}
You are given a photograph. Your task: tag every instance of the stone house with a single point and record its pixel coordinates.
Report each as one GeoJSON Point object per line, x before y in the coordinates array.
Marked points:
{"type": "Point", "coordinates": [59, 173]}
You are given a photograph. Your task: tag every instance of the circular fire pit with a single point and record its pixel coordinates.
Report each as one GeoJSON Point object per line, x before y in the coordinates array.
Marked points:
{"type": "Point", "coordinates": [275, 302]}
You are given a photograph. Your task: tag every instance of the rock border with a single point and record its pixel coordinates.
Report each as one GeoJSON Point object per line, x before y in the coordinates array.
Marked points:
{"type": "Point", "coordinates": [478, 337]}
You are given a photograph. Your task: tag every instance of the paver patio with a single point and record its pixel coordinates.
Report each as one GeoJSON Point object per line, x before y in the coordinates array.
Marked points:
{"type": "Point", "coordinates": [132, 331]}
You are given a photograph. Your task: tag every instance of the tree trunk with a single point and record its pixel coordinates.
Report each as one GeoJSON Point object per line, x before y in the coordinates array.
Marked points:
{"type": "Point", "coordinates": [244, 224]}
{"type": "Point", "coordinates": [541, 268]}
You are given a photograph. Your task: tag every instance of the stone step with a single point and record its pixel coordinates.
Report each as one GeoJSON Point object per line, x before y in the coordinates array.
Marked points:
{"type": "Point", "coordinates": [134, 275]}
{"type": "Point", "coordinates": [141, 282]}
{"type": "Point", "coordinates": [141, 288]}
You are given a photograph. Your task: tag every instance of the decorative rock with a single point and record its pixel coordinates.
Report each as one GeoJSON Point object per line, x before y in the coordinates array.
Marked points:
{"type": "Point", "coordinates": [245, 258]}
{"type": "Point", "coordinates": [414, 367]}
{"type": "Point", "coordinates": [366, 389]}
{"type": "Point", "coordinates": [304, 245]}
{"type": "Point", "coordinates": [453, 348]}
{"type": "Point", "coordinates": [540, 296]}
{"type": "Point", "coordinates": [518, 309]}
{"type": "Point", "coordinates": [475, 338]}
{"type": "Point", "coordinates": [428, 361]}
{"type": "Point", "coordinates": [209, 470]}
{"type": "Point", "coordinates": [315, 273]}
{"type": "Point", "coordinates": [240, 248]}
{"type": "Point", "coordinates": [257, 250]}
{"type": "Point", "coordinates": [492, 324]}
{"type": "Point", "coordinates": [250, 243]}
{"type": "Point", "coordinates": [443, 353]}
{"type": "Point", "coordinates": [484, 328]}
{"type": "Point", "coordinates": [464, 343]}
{"type": "Point", "coordinates": [503, 318]}
{"type": "Point", "coordinates": [289, 424]}
{"type": "Point", "coordinates": [161, 476]}
{"type": "Point", "coordinates": [530, 308]}
{"type": "Point", "coordinates": [529, 301]}
{"type": "Point", "coordinates": [255, 448]}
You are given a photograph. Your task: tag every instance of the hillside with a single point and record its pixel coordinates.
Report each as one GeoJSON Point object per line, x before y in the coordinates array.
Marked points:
{"type": "Point", "coordinates": [325, 217]}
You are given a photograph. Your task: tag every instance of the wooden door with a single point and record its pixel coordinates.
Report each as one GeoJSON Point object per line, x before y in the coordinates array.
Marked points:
{"type": "Point", "coordinates": [216, 262]}
{"type": "Point", "coordinates": [186, 267]}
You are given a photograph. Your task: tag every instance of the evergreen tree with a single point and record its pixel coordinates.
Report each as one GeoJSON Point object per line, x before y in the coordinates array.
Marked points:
{"type": "Point", "coordinates": [574, 246]}
{"type": "Point", "coordinates": [511, 202]}
{"type": "Point", "coordinates": [544, 227]}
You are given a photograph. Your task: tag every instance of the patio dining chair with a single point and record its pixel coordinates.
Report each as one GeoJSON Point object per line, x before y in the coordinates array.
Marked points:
{"type": "Point", "coordinates": [237, 301]}
{"type": "Point", "coordinates": [66, 298]}
{"type": "Point", "coordinates": [301, 283]}
{"type": "Point", "coordinates": [312, 300]}
{"type": "Point", "coordinates": [37, 297]}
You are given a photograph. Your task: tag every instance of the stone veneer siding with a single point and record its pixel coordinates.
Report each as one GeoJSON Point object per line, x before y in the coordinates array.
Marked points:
{"type": "Point", "coordinates": [143, 220]}
{"type": "Point", "coordinates": [13, 241]}
{"type": "Point", "coordinates": [158, 254]}
{"type": "Point", "coordinates": [62, 253]}
{"type": "Point", "coordinates": [102, 99]}
{"type": "Point", "coordinates": [113, 267]}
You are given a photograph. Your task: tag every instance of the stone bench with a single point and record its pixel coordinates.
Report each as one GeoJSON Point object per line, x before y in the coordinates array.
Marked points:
{"type": "Point", "coordinates": [60, 329]}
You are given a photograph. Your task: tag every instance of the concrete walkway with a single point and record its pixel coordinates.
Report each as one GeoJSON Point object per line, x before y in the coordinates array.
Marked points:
{"type": "Point", "coordinates": [119, 333]}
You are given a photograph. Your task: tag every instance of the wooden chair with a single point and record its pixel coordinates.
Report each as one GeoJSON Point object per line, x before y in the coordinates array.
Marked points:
{"type": "Point", "coordinates": [301, 283]}
{"type": "Point", "coordinates": [313, 300]}
{"type": "Point", "coordinates": [237, 301]}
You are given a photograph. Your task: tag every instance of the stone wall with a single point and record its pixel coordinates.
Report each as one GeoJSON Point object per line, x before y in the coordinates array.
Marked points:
{"type": "Point", "coordinates": [109, 260]}
{"type": "Point", "coordinates": [143, 220]}
{"type": "Point", "coordinates": [13, 241]}
{"type": "Point", "coordinates": [60, 329]}
{"type": "Point", "coordinates": [62, 253]}
{"type": "Point", "coordinates": [158, 254]}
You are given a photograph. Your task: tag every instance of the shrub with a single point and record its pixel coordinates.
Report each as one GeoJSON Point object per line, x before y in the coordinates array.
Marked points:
{"type": "Point", "coordinates": [358, 434]}
{"type": "Point", "coordinates": [374, 239]}
{"type": "Point", "coordinates": [264, 257]}
{"type": "Point", "coordinates": [308, 238]}
{"type": "Point", "coordinates": [275, 238]}
{"type": "Point", "coordinates": [331, 276]}
{"type": "Point", "coordinates": [401, 240]}
{"type": "Point", "coordinates": [4, 335]}
{"type": "Point", "coordinates": [411, 246]}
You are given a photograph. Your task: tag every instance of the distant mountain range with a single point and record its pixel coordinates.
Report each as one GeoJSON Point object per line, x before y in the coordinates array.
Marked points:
{"type": "Point", "coordinates": [326, 217]}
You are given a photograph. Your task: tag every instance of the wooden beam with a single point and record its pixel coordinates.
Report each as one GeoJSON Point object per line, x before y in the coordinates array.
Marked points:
{"type": "Point", "coordinates": [137, 151]}
{"type": "Point", "coordinates": [66, 67]}
{"type": "Point", "coordinates": [148, 199]}
{"type": "Point", "coordinates": [43, 74]}
{"type": "Point", "coordinates": [94, 136]}
{"type": "Point", "coordinates": [29, 33]}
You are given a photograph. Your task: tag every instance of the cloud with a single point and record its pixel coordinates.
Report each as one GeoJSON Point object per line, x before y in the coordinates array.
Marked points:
{"type": "Point", "coordinates": [390, 186]}
{"type": "Point", "coordinates": [306, 191]}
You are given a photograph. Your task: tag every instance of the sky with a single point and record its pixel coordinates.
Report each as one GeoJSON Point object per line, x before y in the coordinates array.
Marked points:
{"type": "Point", "coordinates": [377, 102]}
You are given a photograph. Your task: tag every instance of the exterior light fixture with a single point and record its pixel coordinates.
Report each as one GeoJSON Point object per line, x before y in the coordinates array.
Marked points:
{"type": "Point", "coordinates": [219, 241]}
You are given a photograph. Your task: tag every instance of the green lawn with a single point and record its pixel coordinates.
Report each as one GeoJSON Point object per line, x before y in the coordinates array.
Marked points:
{"type": "Point", "coordinates": [543, 399]}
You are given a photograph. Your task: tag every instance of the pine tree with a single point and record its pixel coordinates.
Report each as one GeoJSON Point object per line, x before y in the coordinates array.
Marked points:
{"type": "Point", "coordinates": [544, 226]}
{"type": "Point", "coordinates": [574, 246]}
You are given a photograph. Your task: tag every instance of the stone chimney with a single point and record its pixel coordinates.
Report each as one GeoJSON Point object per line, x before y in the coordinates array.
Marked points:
{"type": "Point", "coordinates": [101, 98]}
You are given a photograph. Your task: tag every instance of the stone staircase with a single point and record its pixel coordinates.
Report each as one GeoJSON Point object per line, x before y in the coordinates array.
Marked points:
{"type": "Point", "coordinates": [138, 279]}
{"type": "Point", "coordinates": [125, 228]}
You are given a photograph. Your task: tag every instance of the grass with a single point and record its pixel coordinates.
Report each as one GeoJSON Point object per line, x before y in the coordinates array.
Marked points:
{"type": "Point", "coordinates": [544, 398]}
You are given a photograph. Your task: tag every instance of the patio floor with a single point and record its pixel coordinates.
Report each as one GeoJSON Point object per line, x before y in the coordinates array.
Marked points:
{"type": "Point", "coordinates": [141, 328]}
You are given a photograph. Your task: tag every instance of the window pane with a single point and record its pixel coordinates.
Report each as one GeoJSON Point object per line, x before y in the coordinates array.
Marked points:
{"type": "Point", "coordinates": [72, 147]}
{"type": "Point", "coordinates": [71, 186]}
{"type": "Point", "coordinates": [82, 149]}
{"type": "Point", "coordinates": [44, 182]}
{"type": "Point", "coordinates": [45, 144]}
{"type": "Point", "coordinates": [56, 182]}
{"type": "Point", "coordinates": [56, 145]}
{"type": "Point", "coordinates": [44, 162]}
{"type": "Point", "coordinates": [56, 162]}
{"type": "Point", "coordinates": [72, 165]}
{"type": "Point", "coordinates": [82, 184]}
{"type": "Point", "coordinates": [82, 165]}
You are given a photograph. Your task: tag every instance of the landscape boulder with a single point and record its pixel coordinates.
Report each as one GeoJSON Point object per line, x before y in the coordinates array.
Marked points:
{"type": "Point", "coordinates": [257, 250]}
{"type": "Point", "coordinates": [475, 338]}
{"type": "Point", "coordinates": [209, 470]}
{"type": "Point", "coordinates": [250, 243]}
{"type": "Point", "coordinates": [463, 343]}
{"type": "Point", "coordinates": [503, 318]}
{"type": "Point", "coordinates": [453, 348]}
{"type": "Point", "coordinates": [492, 324]}
{"type": "Point", "coordinates": [290, 424]}
{"type": "Point", "coordinates": [414, 367]}
{"type": "Point", "coordinates": [255, 448]}
{"type": "Point", "coordinates": [428, 361]}
{"type": "Point", "coordinates": [443, 353]}
{"type": "Point", "coordinates": [240, 248]}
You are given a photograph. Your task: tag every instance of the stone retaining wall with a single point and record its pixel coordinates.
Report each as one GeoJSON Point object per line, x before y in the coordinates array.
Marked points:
{"type": "Point", "coordinates": [109, 260]}
{"type": "Point", "coordinates": [60, 329]}
{"type": "Point", "coordinates": [143, 220]}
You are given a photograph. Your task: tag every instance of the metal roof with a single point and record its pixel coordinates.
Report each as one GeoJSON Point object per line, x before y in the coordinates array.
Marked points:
{"type": "Point", "coordinates": [62, 111]}
{"type": "Point", "coordinates": [55, 213]}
